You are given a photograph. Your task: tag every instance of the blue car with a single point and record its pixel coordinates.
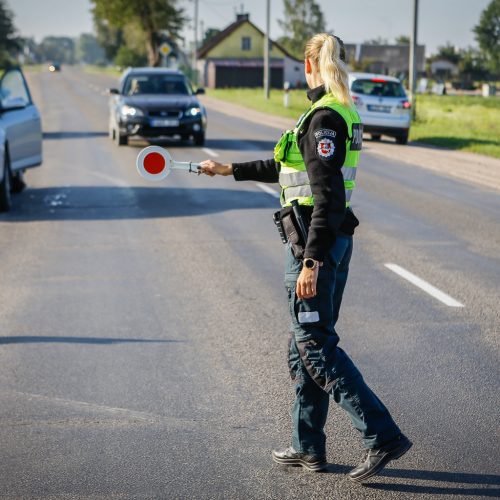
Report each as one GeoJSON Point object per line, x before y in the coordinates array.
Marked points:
{"type": "Point", "coordinates": [156, 102]}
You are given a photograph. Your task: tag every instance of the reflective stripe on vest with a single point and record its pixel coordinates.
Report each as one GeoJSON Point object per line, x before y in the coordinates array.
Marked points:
{"type": "Point", "coordinates": [293, 177]}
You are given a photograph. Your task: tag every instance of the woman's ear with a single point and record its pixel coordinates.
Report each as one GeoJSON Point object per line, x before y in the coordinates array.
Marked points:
{"type": "Point", "coordinates": [308, 66]}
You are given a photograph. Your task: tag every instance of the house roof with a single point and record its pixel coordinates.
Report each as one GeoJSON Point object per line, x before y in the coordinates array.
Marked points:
{"type": "Point", "coordinates": [214, 41]}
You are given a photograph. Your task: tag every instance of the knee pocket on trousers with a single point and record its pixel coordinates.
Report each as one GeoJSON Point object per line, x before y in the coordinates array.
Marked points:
{"type": "Point", "coordinates": [311, 313]}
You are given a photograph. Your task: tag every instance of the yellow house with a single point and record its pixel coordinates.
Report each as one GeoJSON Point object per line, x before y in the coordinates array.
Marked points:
{"type": "Point", "coordinates": [235, 58]}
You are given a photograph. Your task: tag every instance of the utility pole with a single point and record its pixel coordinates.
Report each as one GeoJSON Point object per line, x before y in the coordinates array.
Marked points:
{"type": "Point", "coordinates": [266, 51]}
{"type": "Point", "coordinates": [195, 46]}
{"type": "Point", "coordinates": [413, 61]}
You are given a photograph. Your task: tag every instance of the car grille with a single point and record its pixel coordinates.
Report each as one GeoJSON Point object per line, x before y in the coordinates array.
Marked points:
{"type": "Point", "coordinates": [163, 113]}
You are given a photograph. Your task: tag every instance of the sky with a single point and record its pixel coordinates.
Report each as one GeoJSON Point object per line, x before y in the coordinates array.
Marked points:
{"type": "Point", "coordinates": [440, 21]}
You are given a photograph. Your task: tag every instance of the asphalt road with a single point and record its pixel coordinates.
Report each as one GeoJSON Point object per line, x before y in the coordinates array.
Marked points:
{"type": "Point", "coordinates": [143, 327]}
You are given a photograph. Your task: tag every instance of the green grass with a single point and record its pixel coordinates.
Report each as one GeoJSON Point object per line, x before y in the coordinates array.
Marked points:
{"type": "Point", "coordinates": [103, 70]}
{"type": "Point", "coordinates": [35, 68]}
{"type": "Point", "coordinates": [465, 123]}
{"type": "Point", "coordinates": [254, 98]}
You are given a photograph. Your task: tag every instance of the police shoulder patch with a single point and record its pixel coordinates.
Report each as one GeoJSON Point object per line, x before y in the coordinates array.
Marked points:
{"type": "Point", "coordinates": [325, 146]}
{"type": "Point", "coordinates": [325, 132]}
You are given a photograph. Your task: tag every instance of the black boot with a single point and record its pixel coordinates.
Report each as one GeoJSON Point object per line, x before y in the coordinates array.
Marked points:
{"type": "Point", "coordinates": [376, 459]}
{"type": "Point", "coordinates": [292, 457]}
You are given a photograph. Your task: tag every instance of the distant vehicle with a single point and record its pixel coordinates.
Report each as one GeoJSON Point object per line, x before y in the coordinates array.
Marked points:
{"type": "Point", "coordinates": [156, 102]}
{"type": "Point", "coordinates": [20, 134]}
{"type": "Point", "coordinates": [382, 104]}
{"type": "Point", "coordinates": [54, 67]}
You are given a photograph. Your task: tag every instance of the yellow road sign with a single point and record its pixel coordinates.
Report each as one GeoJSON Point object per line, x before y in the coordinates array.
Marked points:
{"type": "Point", "coordinates": [165, 49]}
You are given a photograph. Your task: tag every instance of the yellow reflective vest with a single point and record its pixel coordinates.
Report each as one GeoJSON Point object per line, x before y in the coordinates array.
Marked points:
{"type": "Point", "coordinates": [293, 177]}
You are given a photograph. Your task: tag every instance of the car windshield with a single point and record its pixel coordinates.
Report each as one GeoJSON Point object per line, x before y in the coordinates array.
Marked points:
{"type": "Point", "coordinates": [138, 84]}
{"type": "Point", "coordinates": [378, 87]}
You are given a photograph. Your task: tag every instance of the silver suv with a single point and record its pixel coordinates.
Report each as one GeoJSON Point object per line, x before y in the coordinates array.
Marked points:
{"type": "Point", "coordinates": [20, 134]}
{"type": "Point", "coordinates": [382, 104]}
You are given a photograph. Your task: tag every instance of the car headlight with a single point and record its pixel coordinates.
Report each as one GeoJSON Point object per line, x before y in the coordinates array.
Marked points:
{"type": "Point", "coordinates": [192, 111]}
{"type": "Point", "coordinates": [126, 110]}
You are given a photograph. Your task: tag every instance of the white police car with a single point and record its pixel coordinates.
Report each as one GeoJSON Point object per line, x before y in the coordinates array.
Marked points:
{"type": "Point", "coordinates": [382, 104]}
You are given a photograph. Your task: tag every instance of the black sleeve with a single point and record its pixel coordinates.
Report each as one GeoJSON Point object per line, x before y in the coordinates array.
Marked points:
{"type": "Point", "coordinates": [259, 170]}
{"type": "Point", "coordinates": [323, 147]}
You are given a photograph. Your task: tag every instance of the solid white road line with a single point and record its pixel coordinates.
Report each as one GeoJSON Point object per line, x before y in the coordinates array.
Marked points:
{"type": "Point", "coordinates": [423, 285]}
{"type": "Point", "coordinates": [268, 190]}
{"type": "Point", "coordinates": [210, 152]}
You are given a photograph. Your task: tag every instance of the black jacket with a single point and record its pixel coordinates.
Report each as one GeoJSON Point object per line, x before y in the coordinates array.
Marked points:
{"type": "Point", "coordinates": [322, 142]}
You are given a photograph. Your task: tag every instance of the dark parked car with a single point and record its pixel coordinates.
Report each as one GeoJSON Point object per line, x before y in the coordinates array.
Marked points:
{"type": "Point", "coordinates": [156, 102]}
{"type": "Point", "coordinates": [20, 134]}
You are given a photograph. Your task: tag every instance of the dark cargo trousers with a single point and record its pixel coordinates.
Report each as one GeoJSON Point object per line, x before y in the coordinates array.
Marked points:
{"type": "Point", "coordinates": [319, 368]}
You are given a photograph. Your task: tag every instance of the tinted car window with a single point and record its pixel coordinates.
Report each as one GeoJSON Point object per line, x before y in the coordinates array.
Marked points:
{"type": "Point", "coordinates": [378, 88]}
{"type": "Point", "coordinates": [13, 86]}
{"type": "Point", "coordinates": [138, 84]}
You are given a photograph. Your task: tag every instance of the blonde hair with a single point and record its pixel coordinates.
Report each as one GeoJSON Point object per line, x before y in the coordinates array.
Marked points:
{"type": "Point", "coordinates": [324, 51]}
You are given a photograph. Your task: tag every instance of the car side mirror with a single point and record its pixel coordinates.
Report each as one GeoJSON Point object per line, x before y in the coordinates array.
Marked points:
{"type": "Point", "coordinates": [199, 91]}
{"type": "Point", "coordinates": [113, 91]}
{"type": "Point", "coordinates": [12, 103]}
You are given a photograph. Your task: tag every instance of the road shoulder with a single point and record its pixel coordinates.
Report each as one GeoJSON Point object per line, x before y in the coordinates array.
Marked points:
{"type": "Point", "coordinates": [467, 167]}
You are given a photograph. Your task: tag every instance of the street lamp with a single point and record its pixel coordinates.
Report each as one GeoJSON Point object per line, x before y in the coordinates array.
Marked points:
{"type": "Point", "coordinates": [413, 61]}
{"type": "Point", "coordinates": [266, 51]}
{"type": "Point", "coordinates": [195, 43]}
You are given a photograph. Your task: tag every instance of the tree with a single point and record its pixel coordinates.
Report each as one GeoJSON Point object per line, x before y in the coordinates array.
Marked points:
{"type": "Point", "coordinates": [447, 53]}
{"type": "Point", "coordinates": [209, 34]}
{"type": "Point", "coordinates": [108, 37]}
{"type": "Point", "coordinates": [302, 19]}
{"type": "Point", "coordinates": [57, 48]}
{"type": "Point", "coordinates": [127, 56]}
{"type": "Point", "coordinates": [152, 17]}
{"type": "Point", "coordinates": [9, 42]}
{"type": "Point", "coordinates": [472, 65]}
{"type": "Point", "coordinates": [402, 40]}
{"type": "Point", "coordinates": [488, 35]}
{"type": "Point", "coordinates": [88, 49]}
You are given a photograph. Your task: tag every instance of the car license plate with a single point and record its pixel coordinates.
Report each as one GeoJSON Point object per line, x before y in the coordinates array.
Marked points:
{"type": "Point", "coordinates": [165, 122]}
{"type": "Point", "coordinates": [379, 109]}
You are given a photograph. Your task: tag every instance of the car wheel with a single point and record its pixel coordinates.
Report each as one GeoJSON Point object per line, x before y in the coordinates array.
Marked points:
{"type": "Point", "coordinates": [199, 139]}
{"type": "Point", "coordinates": [402, 139]}
{"type": "Point", "coordinates": [5, 200]}
{"type": "Point", "coordinates": [121, 139]}
{"type": "Point", "coordinates": [376, 137]}
{"type": "Point", "coordinates": [17, 185]}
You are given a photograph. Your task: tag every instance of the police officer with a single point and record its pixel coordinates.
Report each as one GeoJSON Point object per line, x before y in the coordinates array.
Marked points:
{"type": "Point", "coordinates": [315, 165]}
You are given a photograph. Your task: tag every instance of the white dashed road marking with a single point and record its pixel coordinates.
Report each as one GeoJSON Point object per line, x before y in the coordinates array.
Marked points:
{"type": "Point", "coordinates": [423, 285]}
{"type": "Point", "coordinates": [210, 152]}
{"type": "Point", "coordinates": [268, 189]}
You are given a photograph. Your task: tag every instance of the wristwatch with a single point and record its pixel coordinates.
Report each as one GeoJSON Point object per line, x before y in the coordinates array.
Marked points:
{"type": "Point", "coordinates": [312, 264]}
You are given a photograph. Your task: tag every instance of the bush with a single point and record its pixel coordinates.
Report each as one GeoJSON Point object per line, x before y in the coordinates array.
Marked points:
{"type": "Point", "coordinates": [129, 57]}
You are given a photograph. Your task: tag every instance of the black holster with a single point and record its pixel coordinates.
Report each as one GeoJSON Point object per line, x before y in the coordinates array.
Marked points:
{"type": "Point", "coordinates": [292, 230]}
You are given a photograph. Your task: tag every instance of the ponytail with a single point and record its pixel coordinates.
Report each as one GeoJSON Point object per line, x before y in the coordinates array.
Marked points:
{"type": "Point", "coordinates": [325, 52]}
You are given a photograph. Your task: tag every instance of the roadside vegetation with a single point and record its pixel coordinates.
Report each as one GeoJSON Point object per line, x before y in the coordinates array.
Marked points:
{"type": "Point", "coordinates": [465, 123]}
{"type": "Point", "coordinates": [103, 70]}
